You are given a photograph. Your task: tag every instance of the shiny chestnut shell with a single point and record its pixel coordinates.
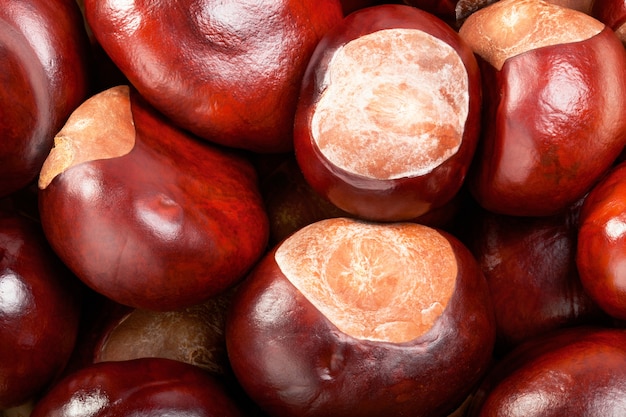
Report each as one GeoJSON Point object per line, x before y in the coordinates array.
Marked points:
{"type": "Point", "coordinates": [40, 311]}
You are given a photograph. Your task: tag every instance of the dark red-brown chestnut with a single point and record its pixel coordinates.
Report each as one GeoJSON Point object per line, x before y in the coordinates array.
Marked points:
{"type": "Point", "coordinates": [601, 250]}
{"type": "Point", "coordinates": [139, 387]}
{"type": "Point", "coordinates": [613, 14]}
{"type": "Point", "coordinates": [554, 83]}
{"type": "Point", "coordinates": [579, 371]}
{"type": "Point", "coordinates": [228, 71]}
{"type": "Point", "coordinates": [388, 117]}
{"type": "Point", "coordinates": [40, 311]}
{"type": "Point", "coordinates": [145, 213]}
{"type": "Point", "coordinates": [530, 267]}
{"type": "Point", "coordinates": [349, 318]}
{"type": "Point", "coordinates": [44, 75]}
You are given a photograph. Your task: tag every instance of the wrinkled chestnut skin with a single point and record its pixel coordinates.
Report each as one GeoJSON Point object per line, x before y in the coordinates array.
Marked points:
{"type": "Point", "coordinates": [292, 361]}
{"type": "Point", "coordinates": [530, 267]}
{"type": "Point", "coordinates": [229, 71]}
{"type": "Point", "coordinates": [148, 386]}
{"type": "Point", "coordinates": [539, 156]}
{"type": "Point", "coordinates": [368, 198]}
{"type": "Point", "coordinates": [573, 372]}
{"type": "Point", "coordinates": [39, 311]}
{"type": "Point", "coordinates": [602, 243]}
{"type": "Point", "coordinates": [44, 75]}
{"type": "Point", "coordinates": [165, 226]}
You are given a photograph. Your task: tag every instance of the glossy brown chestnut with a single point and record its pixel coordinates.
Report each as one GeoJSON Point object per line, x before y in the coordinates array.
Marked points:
{"type": "Point", "coordinates": [388, 117]}
{"type": "Point", "coordinates": [352, 318]}
{"type": "Point", "coordinates": [148, 386]}
{"type": "Point", "coordinates": [601, 250]}
{"type": "Point", "coordinates": [39, 311]}
{"type": "Point", "coordinates": [291, 202]}
{"type": "Point", "coordinates": [554, 82]}
{"type": "Point", "coordinates": [145, 213]}
{"type": "Point", "coordinates": [228, 71]}
{"type": "Point", "coordinates": [44, 75]}
{"type": "Point", "coordinates": [572, 372]}
{"type": "Point", "coordinates": [613, 14]}
{"type": "Point", "coordinates": [530, 267]}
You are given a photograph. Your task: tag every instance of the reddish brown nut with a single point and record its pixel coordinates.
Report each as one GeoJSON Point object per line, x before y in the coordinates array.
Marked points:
{"type": "Point", "coordinates": [601, 251]}
{"type": "Point", "coordinates": [572, 372]}
{"type": "Point", "coordinates": [351, 318]}
{"type": "Point", "coordinates": [44, 75]}
{"type": "Point", "coordinates": [613, 14]}
{"type": "Point", "coordinates": [554, 81]}
{"type": "Point", "coordinates": [39, 311]}
{"type": "Point", "coordinates": [143, 212]}
{"type": "Point", "coordinates": [148, 386]}
{"type": "Point", "coordinates": [388, 118]}
{"type": "Point", "coordinates": [228, 71]}
{"type": "Point", "coordinates": [530, 267]}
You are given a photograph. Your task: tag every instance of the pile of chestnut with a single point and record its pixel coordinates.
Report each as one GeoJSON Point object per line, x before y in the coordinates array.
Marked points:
{"type": "Point", "coordinates": [322, 208]}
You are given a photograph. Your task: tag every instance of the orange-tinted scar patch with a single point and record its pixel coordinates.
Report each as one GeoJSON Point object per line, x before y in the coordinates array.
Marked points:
{"type": "Point", "coordinates": [395, 105]}
{"type": "Point", "coordinates": [384, 282]}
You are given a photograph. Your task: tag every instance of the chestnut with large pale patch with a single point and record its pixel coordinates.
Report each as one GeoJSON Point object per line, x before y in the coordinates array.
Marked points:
{"type": "Point", "coordinates": [554, 82]}
{"type": "Point", "coordinates": [354, 318]}
{"type": "Point", "coordinates": [388, 117]}
{"type": "Point", "coordinates": [145, 213]}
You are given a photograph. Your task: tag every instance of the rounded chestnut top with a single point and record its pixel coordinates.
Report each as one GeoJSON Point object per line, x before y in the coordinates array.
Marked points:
{"type": "Point", "coordinates": [382, 282]}
{"type": "Point", "coordinates": [510, 27]}
{"type": "Point", "coordinates": [394, 105]}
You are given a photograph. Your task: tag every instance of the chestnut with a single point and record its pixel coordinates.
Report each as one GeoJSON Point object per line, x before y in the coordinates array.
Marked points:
{"type": "Point", "coordinates": [291, 202]}
{"type": "Point", "coordinates": [145, 213]}
{"type": "Point", "coordinates": [388, 118]}
{"type": "Point", "coordinates": [602, 242]}
{"type": "Point", "coordinates": [579, 371]}
{"type": "Point", "coordinates": [613, 14]}
{"type": "Point", "coordinates": [194, 335]}
{"type": "Point", "coordinates": [554, 82]}
{"type": "Point", "coordinates": [44, 74]}
{"type": "Point", "coordinates": [40, 311]}
{"type": "Point", "coordinates": [530, 267]}
{"type": "Point", "coordinates": [147, 386]}
{"type": "Point", "coordinates": [228, 71]}
{"type": "Point", "coordinates": [353, 318]}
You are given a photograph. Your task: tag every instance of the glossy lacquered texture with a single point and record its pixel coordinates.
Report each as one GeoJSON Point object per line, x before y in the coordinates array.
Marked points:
{"type": "Point", "coordinates": [164, 226]}
{"type": "Point", "coordinates": [403, 196]}
{"type": "Point", "coordinates": [140, 387]}
{"type": "Point", "coordinates": [292, 361]}
{"type": "Point", "coordinates": [602, 243]}
{"type": "Point", "coordinates": [530, 267]}
{"type": "Point", "coordinates": [553, 124]}
{"type": "Point", "coordinates": [229, 71]}
{"type": "Point", "coordinates": [575, 372]}
{"type": "Point", "coordinates": [44, 75]}
{"type": "Point", "coordinates": [39, 311]}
